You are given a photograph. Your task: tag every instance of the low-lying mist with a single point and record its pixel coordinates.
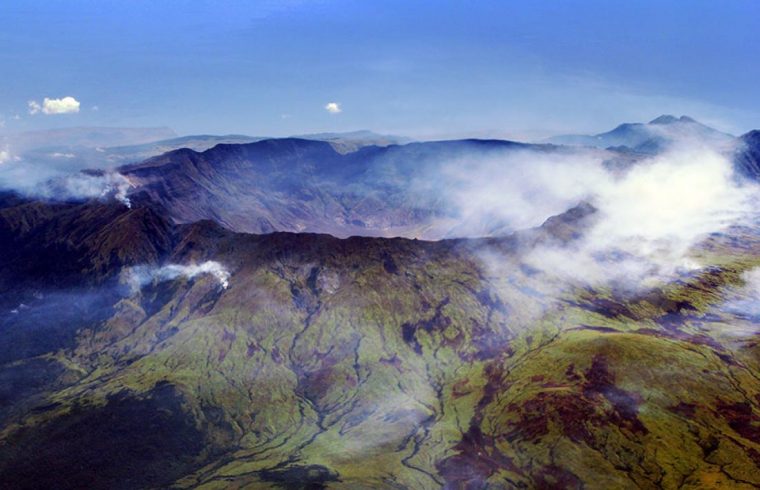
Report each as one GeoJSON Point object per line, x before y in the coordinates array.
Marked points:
{"type": "Point", "coordinates": [649, 215]}
{"type": "Point", "coordinates": [744, 301]}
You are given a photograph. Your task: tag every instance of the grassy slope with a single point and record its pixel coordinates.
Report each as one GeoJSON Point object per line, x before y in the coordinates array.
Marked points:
{"type": "Point", "coordinates": [367, 363]}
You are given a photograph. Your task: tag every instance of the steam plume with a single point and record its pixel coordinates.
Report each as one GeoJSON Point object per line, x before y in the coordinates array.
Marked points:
{"type": "Point", "coordinates": [85, 186]}
{"type": "Point", "coordinates": [140, 276]}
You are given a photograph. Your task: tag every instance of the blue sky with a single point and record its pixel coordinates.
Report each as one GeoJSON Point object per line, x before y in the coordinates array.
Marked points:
{"type": "Point", "coordinates": [426, 69]}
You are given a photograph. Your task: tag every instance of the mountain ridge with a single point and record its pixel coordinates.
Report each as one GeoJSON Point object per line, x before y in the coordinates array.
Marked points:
{"type": "Point", "coordinates": [304, 185]}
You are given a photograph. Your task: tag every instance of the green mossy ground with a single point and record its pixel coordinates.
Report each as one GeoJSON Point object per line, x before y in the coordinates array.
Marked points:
{"type": "Point", "coordinates": [399, 364]}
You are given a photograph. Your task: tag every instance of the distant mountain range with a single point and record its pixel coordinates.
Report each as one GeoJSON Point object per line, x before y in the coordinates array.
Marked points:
{"type": "Point", "coordinates": [36, 156]}
{"type": "Point", "coordinates": [343, 142]}
{"type": "Point", "coordinates": [352, 141]}
{"type": "Point", "coordinates": [57, 152]}
{"type": "Point", "coordinates": [648, 137]}
{"type": "Point", "coordinates": [87, 137]}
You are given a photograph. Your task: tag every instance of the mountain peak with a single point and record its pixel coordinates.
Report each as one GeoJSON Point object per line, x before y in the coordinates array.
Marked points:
{"type": "Point", "coordinates": [670, 119]}
{"type": "Point", "coordinates": [752, 136]}
{"type": "Point", "coordinates": [664, 119]}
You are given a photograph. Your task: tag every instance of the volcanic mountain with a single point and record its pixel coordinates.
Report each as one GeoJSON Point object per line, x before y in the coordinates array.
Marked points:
{"type": "Point", "coordinates": [317, 362]}
{"type": "Point", "coordinates": [149, 339]}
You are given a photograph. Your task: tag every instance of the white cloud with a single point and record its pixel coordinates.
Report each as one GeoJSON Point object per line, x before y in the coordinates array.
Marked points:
{"type": "Point", "coordinates": [65, 105]}
{"type": "Point", "coordinates": [34, 107]}
{"type": "Point", "coordinates": [333, 107]}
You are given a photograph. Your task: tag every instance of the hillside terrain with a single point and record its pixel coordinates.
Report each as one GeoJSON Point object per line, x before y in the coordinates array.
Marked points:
{"type": "Point", "coordinates": [321, 362]}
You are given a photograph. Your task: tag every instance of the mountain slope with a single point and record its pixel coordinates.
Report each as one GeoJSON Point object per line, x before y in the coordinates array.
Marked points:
{"type": "Point", "coordinates": [747, 157]}
{"type": "Point", "coordinates": [370, 362]}
{"type": "Point", "coordinates": [299, 185]}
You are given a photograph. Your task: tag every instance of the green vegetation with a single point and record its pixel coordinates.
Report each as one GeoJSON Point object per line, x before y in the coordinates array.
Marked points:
{"type": "Point", "coordinates": [374, 363]}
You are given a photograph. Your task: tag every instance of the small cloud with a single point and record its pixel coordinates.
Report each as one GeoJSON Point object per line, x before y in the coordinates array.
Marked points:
{"type": "Point", "coordinates": [95, 108]}
{"type": "Point", "coordinates": [285, 116]}
{"type": "Point", "coordinates": [34, 107]}
{"type": "Point", "coordinates": [65, 105]}
{"type": "Point", "coordinates": [16, 117]}
{"type": "Point", "coordinates": [333, 108]}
